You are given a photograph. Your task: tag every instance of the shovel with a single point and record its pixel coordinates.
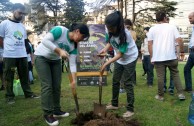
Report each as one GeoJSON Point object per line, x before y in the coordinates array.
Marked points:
{"type": "Point", "coordinates": [100, 109]}
{"type": "Point", "coordinates": [73, 89]}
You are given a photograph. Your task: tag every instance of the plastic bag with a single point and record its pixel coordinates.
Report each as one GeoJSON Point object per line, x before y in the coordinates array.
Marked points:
{"type": "Point", "coordinates": [17, 89]}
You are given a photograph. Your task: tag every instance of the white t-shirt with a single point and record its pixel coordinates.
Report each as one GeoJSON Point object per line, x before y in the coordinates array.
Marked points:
{"type": "Point", "coordinates": [14, 34]}
{"type": "Point", "coordinates": [164, 38]}
{"type": "Point", "coordinates": [129, 50]}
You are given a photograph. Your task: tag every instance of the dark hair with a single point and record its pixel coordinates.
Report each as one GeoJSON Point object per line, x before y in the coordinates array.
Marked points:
{"type": "Point", "coordinates": [128, 22]}
{"type": "Point", "coordinates": [84, 30]}
{"type": "Point", "coordinates": [160, 15]}
{"type": "Point", "coordinates": [115, 19]}
{"type": "Point", "coordinates": [18, 6]}
{"type": "Point", "coordinates": [147, 28]}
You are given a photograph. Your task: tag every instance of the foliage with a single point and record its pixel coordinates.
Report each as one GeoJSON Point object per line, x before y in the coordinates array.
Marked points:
{"type": "Point", "coordinates": [40, 9]}
{"type": "Point", "coordinates": [74, 10]}
{"type": "Point", "coordinates": [148, 110]}
{"type": "Point", "coordinates": [5, 6]}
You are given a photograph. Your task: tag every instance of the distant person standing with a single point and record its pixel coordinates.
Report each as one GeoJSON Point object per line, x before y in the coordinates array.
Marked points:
{"type": "Point", "coordinates": [161, 44]}
{"type": "Point", "coordinates": [129, 26]}
{"type": "Point", "coordinates": [1, 69]}
{"type": "Point", "coordinates": [12, 37]}
{"type": "Point", "coordinates": [147, 62]}
{"type": "Point", "coordinates": [190, 62]}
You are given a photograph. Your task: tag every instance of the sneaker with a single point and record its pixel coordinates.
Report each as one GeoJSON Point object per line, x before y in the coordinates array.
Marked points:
{"type": "Point", "coordinates": [33, 96]}
{"type": "Point", "coordinates": [10, 101]}
{"type": "Point", "coordinates": [122, 91]}
{"type": "Point", "coordinates": [160, 98]}
{"type": "Point", "coordinates": [2, 88]}
{"type": "Point", "coordinates": [50, 120]}
{"type": "Point", "coordinates": [181, 97]}
{"type": "Point", "coordinates": [60, 114]}
{"type": "Point", "coordinates": [143, 74]}
{"type": "Point", "coordinates": [171, 91]}
{"type": "Point", "coordinates": [128, 114]}
{"type": "Point", "coordinates": [110, 107]}
{"type": "Point", "coordinates": [188, 90]}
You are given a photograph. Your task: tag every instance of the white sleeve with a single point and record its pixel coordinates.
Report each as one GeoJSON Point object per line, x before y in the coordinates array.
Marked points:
{"type": "Point", "coordinates": [150, 35]}
{"type": "Point", "coordinates": [48, 41]}
{"type": "Point", "coordinates": [72, 63]}
{"type": "Point", "coordinates": [2, 29]}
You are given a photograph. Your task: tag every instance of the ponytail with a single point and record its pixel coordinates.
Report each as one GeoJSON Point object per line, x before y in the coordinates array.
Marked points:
{"type": "Point", "coordinates": [115, 19]}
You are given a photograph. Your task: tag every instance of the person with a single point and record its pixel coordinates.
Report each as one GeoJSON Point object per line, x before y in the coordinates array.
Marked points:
{"type": "Point", "coordinates": [12, 36]}
{"type": "Point", "coordinates": [143, 64]}
{"type": "Point", "coordinates": [147, 62]}
{"type": "Point", "coordinates": [190, 62]}
{"type": "Point", "coordinates": [1, 70]}
{"type": "Point", "coordinates": [59, 43]}
{"type": "Point", "coordinates": [171, 86]}
{"type": "Point", "coordinates": [30, 57]}
{"type": "Point", "coordinates": [129, 26]}
{"type": "Point", "coordinates": [161, 44]}
{"type": "Point", "coordinates": [125, 59]}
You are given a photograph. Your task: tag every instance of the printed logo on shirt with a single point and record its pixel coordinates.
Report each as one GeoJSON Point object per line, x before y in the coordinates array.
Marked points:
{"type": "Point", "coordinates": [63, 46]}
{"type": "Point", "coordinates": [18, 35]}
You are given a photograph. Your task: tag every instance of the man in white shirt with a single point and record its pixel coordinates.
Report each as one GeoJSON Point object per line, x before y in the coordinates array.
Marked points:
{"type": "Point", "coordinates": [161, 43]}
{"type": "Point", "coordinates": [12, 36]}
{"type": "Point", "coordinates": [190, 62]}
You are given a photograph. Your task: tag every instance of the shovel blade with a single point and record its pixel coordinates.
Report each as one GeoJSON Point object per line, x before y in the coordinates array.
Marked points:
{"type": "Point", "coordinates": [99, 109]}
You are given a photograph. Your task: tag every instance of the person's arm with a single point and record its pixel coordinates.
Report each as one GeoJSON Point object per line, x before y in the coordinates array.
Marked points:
{"type": "Point", "coordinates": [1, 42]}
{"type": "Point", "coordinates": [48, 41]}
{"type": "Point", "coordinates": [106, 48]}
{"type": "Point", "coordinates": [179, 47]}
{"type": "Point", "coordinates": [115, 58]}
{"type": "Point", "coordinates": [72, 65]}
{"type": "Point", "coordinates": [150, 48]}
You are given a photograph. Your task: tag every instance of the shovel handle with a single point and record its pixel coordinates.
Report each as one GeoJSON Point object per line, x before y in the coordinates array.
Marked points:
{"type": "Point", "coordinates": [73, 89]}
{"type": "Point", "coordinates": [100, 89]}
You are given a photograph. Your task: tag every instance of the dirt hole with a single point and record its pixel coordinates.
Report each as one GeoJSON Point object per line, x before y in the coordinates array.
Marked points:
{"type": "Point", "coordinates": [110, 119]}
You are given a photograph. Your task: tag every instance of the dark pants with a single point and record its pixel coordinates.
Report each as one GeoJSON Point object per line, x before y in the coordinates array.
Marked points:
{"type": "Point", "coordinates": [149, 68]}
{"type": "Point", "coordinates": [171, 86]}
{"type": "Point", "coordinates": [9, 69]}
{"type": "Point", "coordinates": [160, 70]}
{"type": "Point", "coordinates": [127, 73]}
{"type": "Point", "coordinates": [49, 72]}
{"type": "Point", "coordinates": [187, 71]}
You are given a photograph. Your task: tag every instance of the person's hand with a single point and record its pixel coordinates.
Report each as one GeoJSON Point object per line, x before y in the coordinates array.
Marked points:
{"type": "Point", "coordinates": [103, 51]}
{"type": "Point", "coordinates": [102, 68]}
{"type": "Point", "coordinates": [63, 54]}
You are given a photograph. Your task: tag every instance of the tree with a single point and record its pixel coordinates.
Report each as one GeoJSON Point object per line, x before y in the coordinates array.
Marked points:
{"type": "Point", "coordinates": [40, 9]}
{"type": "Point", "coordinates": [74, 11]}
{"type": "Point", "coordinates": [5, 6]}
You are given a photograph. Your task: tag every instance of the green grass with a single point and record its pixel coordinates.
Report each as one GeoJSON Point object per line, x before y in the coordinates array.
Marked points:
{"type": "Point", "coordinates": [148, 110]}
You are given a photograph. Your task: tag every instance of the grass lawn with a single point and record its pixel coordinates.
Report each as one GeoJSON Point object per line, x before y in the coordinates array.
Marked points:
{"type": "Point", "coordinates": [148, 110]}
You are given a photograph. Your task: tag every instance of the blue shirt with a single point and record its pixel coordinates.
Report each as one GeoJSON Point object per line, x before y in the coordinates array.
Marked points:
{"type": "Point", "coordinates": [191, 43]}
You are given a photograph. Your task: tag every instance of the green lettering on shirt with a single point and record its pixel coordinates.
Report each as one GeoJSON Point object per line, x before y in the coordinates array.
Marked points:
{"type": "Point", "coordinates": [56, 31]}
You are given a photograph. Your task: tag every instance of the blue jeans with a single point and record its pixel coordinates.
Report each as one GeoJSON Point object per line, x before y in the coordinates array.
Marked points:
{"type": "Point", "coordinates": [149, 68]}
{"type": "Point", "coordinates": [187, 71]}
